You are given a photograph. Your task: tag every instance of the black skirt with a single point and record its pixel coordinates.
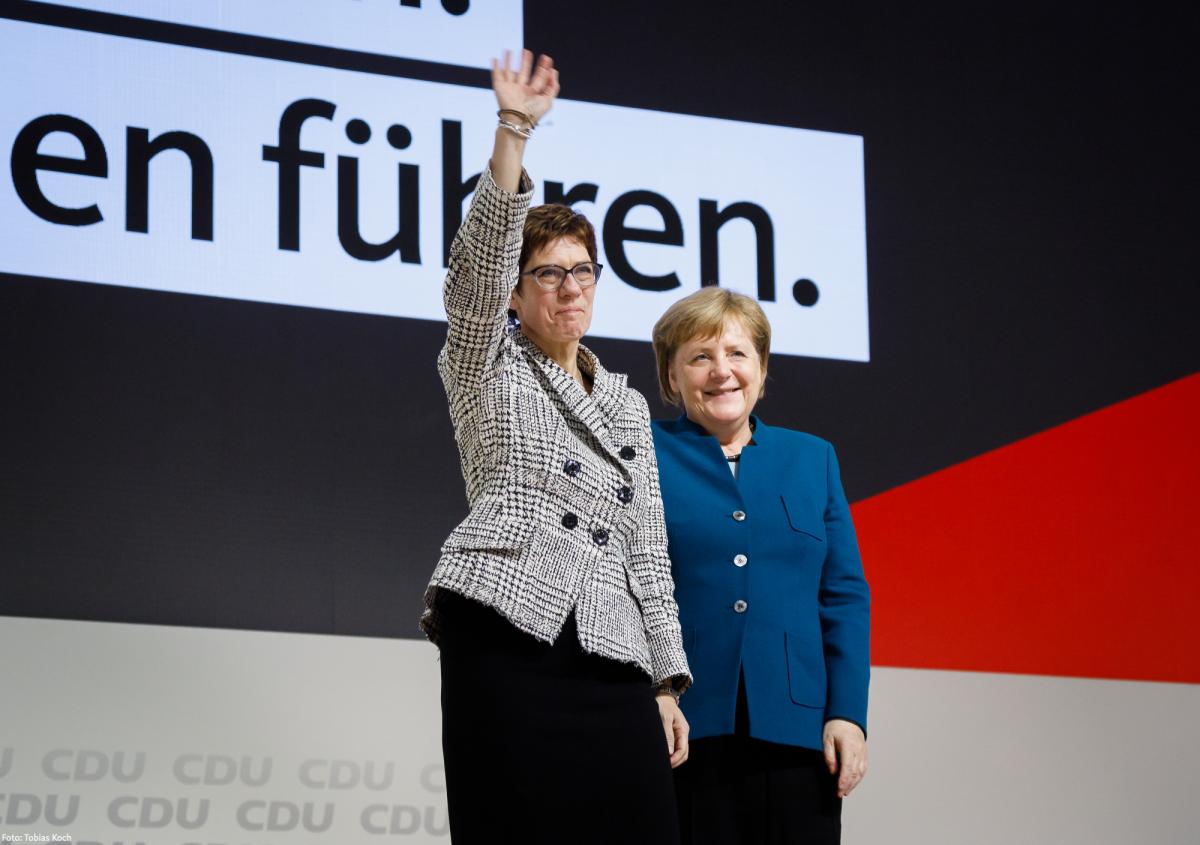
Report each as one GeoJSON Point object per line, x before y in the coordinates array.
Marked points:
{"type": "Point", "coordinates": [547, 743]}
{"type": "Point", "coordinates": [737, 790]}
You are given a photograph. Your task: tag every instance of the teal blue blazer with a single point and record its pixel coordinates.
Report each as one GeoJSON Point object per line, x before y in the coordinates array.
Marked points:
{"type": "Point", "coordinates": [769, 582]}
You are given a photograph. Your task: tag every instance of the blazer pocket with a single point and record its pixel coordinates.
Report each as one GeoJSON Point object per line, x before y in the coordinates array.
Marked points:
{"type": "Point", "coordinates": [802, 519]}
{"type": "Point", "coordinates": [806, 669]}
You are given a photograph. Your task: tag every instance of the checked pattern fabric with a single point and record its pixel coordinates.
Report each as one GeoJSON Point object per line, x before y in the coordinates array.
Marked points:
{"type": "Point", "coordinates": [565, 511]}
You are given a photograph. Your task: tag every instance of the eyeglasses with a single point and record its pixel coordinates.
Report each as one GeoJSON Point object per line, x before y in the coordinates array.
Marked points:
{"type": "Point", "coordinates": [551, 276]}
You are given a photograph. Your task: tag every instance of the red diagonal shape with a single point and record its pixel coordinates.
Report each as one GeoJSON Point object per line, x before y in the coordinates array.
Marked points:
{"type": "Point", "coordinates": [1072, 552]}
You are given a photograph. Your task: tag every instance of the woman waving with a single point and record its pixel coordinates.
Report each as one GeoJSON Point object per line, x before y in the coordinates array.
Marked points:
{"type": "Point", "coordinates": [552, 602]}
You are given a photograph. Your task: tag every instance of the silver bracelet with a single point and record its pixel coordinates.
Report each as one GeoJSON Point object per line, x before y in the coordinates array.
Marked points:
{"type": "Point", "coordinates": [512, 127]}
{"type": "Point", "coordinates": [668, 690]}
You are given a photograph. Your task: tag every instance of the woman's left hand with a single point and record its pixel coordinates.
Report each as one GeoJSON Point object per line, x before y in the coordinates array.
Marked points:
{"type": "Point", "coordinates": [845, 754]}
{"type": "Point", "coordinates": [675, 727]}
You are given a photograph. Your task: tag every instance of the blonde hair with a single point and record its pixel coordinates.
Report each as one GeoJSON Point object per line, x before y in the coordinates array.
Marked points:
{"type": "Point", "coordinates": [702, 315]}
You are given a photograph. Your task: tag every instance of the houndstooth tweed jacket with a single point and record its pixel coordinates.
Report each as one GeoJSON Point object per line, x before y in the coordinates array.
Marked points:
{"type": "Point", "coordinates": [565, 512]}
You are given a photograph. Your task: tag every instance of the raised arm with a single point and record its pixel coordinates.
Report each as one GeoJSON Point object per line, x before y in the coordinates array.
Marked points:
{"type": "Point", "coordinates": [485, 252]}
{"type": "Point", "coordinates": [524, 96]}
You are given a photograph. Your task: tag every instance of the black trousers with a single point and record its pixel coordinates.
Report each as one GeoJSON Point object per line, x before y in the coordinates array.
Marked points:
{"type": "Point", "coordinates": [547, 743]}
{"type": "Point", "coordinates": [734, 790]}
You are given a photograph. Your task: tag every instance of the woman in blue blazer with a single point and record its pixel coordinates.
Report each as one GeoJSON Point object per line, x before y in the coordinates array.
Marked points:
{"type": "Point", "coordinates": [772, 599]}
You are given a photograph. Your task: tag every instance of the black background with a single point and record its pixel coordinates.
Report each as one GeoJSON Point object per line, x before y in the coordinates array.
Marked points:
{"type": "Point", "coordinates": [183, 460]}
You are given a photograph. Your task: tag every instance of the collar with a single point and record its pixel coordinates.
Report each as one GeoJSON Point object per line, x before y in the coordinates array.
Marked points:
{"type": "Point", "coordinates": [594, 410]}
{"type": "Point", "coordinates": [760, 431]}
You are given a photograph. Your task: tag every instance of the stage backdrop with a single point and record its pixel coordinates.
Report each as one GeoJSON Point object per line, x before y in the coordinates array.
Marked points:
{"type": "Point", "coordinates": [227, 466]}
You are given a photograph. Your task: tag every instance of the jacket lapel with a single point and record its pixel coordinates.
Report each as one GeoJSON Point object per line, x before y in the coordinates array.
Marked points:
{"type": "Point", "coordinates": [593, 411]}
{"type": "Point", "coordinates": [716, 467]}
{"type": "Point", "coordinates": [759, 462]}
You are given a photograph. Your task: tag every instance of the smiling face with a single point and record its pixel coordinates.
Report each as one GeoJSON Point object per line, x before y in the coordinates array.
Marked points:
{"type": "Point", "coordinates": [718, 378]}
{"type": "Point", "coordinates": [554, 318]}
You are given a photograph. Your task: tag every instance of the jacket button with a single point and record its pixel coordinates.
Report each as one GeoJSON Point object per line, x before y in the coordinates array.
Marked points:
{"type": "Point", "coordinates": [738, 516]}
{"type": "Point", "coordinates": [740, 560]}
{"type": "Point", "coordinates": [625, 495]}
{"type": "Point", "coordinates": [739, 606]}
{"type": "Point", "coordinates": [600, 537]}
{"type": "Point", "coordinates": [628, 453]}
{"type": "Point", "coordinates": [569, 521]}
{"type": "Point", "coordinates": [572, 468]}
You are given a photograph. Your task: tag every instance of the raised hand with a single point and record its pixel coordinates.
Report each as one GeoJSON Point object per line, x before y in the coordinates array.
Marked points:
{"type": "Point", "coordinates": [528, 89]}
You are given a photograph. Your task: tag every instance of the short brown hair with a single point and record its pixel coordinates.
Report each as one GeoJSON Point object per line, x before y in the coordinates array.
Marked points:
{"type": "Point", "coordinates": [702, 314]}
{"type": "Point", "coordinates": [545, 224]}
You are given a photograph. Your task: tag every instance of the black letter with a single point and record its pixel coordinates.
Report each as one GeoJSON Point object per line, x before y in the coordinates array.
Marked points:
{"type": "Point", "coordinates": [616, 233]}
{"type": "Point", "coordinates": [764, 238]}
{"type": "Point", "coordinates": [454, 188]}
{"type": "Point", "coordinates": [27, 161]}
{"type": "Point", "coordinates": [583, 192]}
{"type": "Point", "coordinates": [291, 158]}
{"type": "Point", "coordinates": [406, 241]}
{"type": "Point", "coordinates": [454, 7]}
{"type": "Point", "coordinates": [140, 149]}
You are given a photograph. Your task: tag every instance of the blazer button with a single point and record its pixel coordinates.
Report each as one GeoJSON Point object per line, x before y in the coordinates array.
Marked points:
{"type": "Point", "coordinates": [600, 537]}
{"type": "Point", "coordinates": [740, 560]}
{"type": "Point", "coordinates": [572, 468]}
{"type": "Point", "coordinates": [624, 495]}
{"type": "Point", "coordinates": [738, 516]}
{"type": "Point", "coordinates": [628, 453]}
{"type": "Point", "coordinates": [739, 606]}
{"type": "Point", "coordinates": [569, 521]}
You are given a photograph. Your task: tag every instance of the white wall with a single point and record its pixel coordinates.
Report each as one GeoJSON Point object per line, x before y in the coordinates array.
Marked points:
{"type": "Point", "coordinates": [955, 757]}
